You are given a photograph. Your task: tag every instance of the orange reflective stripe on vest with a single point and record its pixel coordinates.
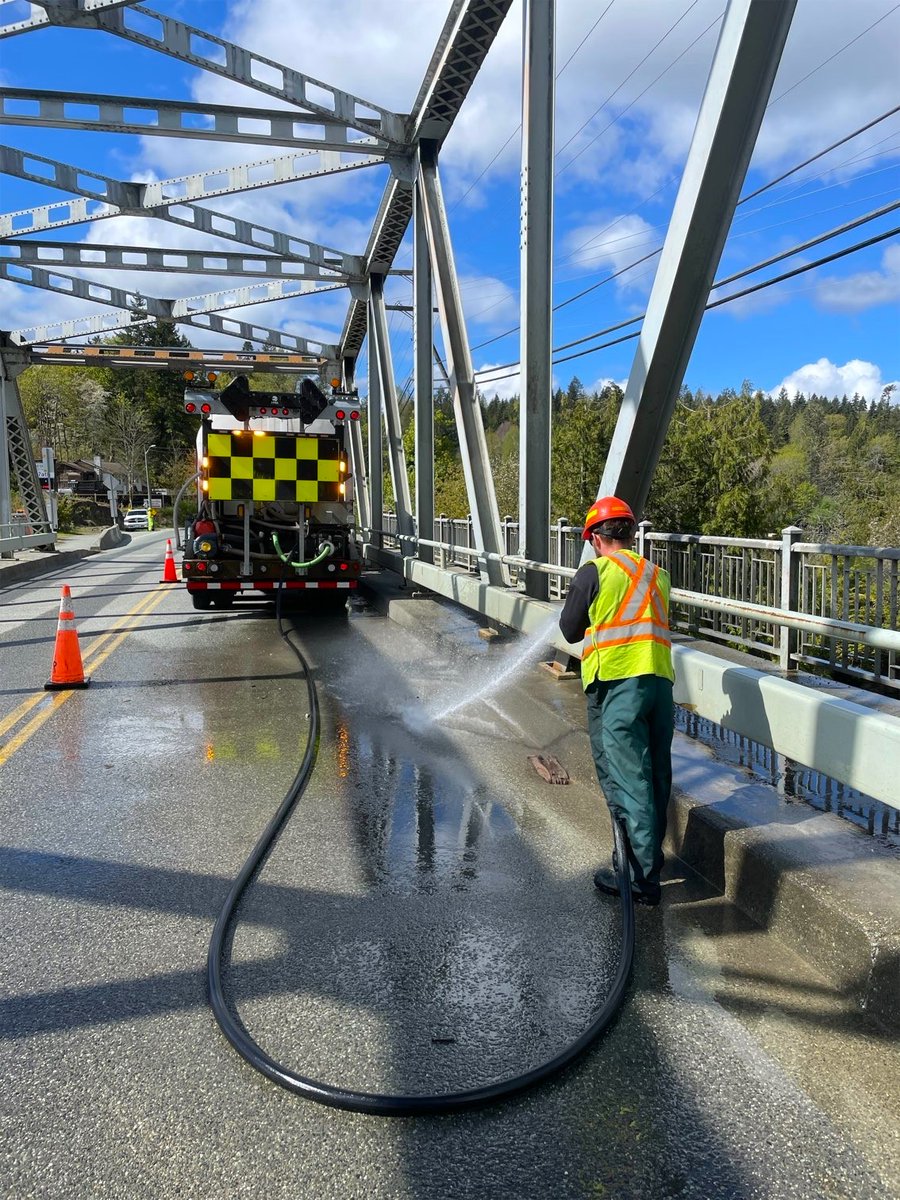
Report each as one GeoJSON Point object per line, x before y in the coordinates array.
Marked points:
{"type": "Point", "coordinates": [629, 630]}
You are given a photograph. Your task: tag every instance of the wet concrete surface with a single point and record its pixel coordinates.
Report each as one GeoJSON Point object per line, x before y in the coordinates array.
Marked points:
{"type": "Point", "coordinates": [426, 922]}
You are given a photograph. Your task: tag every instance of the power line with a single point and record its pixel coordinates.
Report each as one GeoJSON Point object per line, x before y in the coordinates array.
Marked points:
{"type": "Point", "coordinates": [821, 153]}
{"type": "Point", "coordinates": [846, 46]}
{"type": "Point", "coordinates": [650, 85]}
{"type": "Point", "coordinates": [833, 233]}
{"type": "Point", "coordinates": [479, 178]}
{"type": "Point", "coordinates": [650, 52]}
{"type": "Point", "coordinates": [766, 187]}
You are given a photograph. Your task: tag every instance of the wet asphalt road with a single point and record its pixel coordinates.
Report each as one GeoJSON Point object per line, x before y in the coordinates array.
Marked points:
{"type": "Point", "coordinates": [426, 922]}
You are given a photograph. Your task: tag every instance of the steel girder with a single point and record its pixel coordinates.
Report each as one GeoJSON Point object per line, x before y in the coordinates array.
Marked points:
{"type": "Point", "coordinates": [17, 459]}
{"type": "Point", "coordinates": [375, 460]}
{"type": "Point", "coordinates": [423, 343]}
{"type": "Point", "coordinates": [466, 405]}
{"type": "Point", "coordinates": [467, 36]}
{"type": "Point", "coordinates": [213, 322]}
{"type": "Point", "coordinates": [536, 242]}
{"type": "Point", "coordinates": [192, 216]}
{"type": "Point", "coordinates": [170, 118]}
{"type": "Point", "coordinates": [749, 50]}
{"type": "Point", "coordinates": [145, 27]}
{"type": "Point", "coordinates": [105, 257]}
{"type": "Point", "coordinates": [165, 310]}
{"type": "Point", "coordinates": [81, 13]}
{"type": "Point", "coordinates": [380, 350]}
{"type": "Point", "coordinates": [115, 197]}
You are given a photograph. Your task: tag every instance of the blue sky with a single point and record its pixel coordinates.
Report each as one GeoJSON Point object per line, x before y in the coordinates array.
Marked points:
{"type": "Point", "coordinates": [628, 92]}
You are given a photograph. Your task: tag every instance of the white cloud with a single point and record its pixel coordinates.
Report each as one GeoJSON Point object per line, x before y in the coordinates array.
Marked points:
{"type": "Point", "coordinates": [495, 380]}
{"type": "Point", "coordinates": [615, 241]}
{"type": "Point", "coordinates": [489, 303]}
{"type": "Point", "coordinates": [826, 378]}
{"type": "Point", "coordinates": [866, 289]}
{"type": "Point", "coordinates": [599, 384]}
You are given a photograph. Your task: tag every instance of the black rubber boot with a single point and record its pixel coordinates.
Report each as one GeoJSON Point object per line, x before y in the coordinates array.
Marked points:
{"type": "Point", "coordinates": [606, 880]}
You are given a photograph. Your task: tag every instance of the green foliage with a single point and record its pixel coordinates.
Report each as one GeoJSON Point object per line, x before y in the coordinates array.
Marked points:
{"type": "Point", "coordinates": [158, 395]}
{"type": "Point", "coordinates": [116, 413]}
{"type": "Point", "coordinates": [740, 463]}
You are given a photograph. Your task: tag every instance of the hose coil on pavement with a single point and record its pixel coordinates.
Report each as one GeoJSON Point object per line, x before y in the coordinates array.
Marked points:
{"type": "Point", "coordinates": [375, 1103]}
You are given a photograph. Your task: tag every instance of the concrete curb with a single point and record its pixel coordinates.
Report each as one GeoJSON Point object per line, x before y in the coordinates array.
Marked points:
{"type": "Point", "coordinates": [113, 536]}
{"type": "Point", "coordinates": [15, 572]}
{"type": "Point", "coordinates": [828, 891]}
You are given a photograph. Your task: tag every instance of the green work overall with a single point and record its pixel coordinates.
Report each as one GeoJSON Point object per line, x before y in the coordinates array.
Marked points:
{"type": "Point", "coordinates": [630, 726]}
{"type": "Point", "coordinates": [627, 677]}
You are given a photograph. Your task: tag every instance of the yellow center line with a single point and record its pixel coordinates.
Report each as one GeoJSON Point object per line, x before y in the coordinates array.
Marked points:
{"type": "Point", "coordinates": [27, 705]}
{"type": "Point", "coordinates": [97, 657]}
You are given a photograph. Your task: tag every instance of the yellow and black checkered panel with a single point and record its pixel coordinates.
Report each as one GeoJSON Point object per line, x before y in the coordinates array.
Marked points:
{"type": "Point", "coordinates": [271, 466]}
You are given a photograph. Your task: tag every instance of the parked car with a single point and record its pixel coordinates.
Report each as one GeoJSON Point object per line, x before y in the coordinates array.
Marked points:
{"type": "Point", "coordinates": [136, 518]}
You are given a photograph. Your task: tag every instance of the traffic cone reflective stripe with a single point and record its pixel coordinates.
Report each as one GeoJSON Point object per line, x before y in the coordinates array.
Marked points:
{"type": "Point", "coordinates": [67, 670]}
{"type": "Point", "coordinates": [169, 574]}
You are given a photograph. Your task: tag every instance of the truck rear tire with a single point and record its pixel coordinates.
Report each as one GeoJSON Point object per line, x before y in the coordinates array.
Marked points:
{"type": "Point", "coordinates": [201, 600]}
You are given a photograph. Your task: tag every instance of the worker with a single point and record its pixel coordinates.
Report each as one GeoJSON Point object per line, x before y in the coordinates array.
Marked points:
{"type": "Point", "coordinates": [619, 604]}
{"type": "Point", "coordinates": [151, 513]}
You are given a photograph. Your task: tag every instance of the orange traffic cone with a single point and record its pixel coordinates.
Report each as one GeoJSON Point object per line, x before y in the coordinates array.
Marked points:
{"type": "Point", "coordinates": [67, 670]}
{"type": "Point", "coordinates": [169, 575]}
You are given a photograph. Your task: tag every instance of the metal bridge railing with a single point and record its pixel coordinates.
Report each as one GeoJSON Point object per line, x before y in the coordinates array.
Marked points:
{"type": "Point", "coordinates": [20, 535]}
{"type": "Point", "coordinates": [799, 603]}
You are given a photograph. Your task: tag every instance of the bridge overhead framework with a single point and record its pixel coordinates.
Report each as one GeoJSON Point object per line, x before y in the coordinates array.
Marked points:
{"type": "Point", "coordinates": [319, 130]}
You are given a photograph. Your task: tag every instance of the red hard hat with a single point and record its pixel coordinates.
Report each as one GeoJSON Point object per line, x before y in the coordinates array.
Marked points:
{"type": "Point", "coordinates": [605, 509]}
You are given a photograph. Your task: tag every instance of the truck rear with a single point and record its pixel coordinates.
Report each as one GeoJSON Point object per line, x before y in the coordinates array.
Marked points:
{"type": "Point", "coordinates": [275, 495]}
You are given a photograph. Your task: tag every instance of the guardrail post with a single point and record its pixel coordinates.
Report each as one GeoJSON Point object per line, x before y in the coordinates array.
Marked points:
{"type": "Point", "coordinates": [562, 526]}
{"type": "Point", "coordinates": [790, 592]}
{"type": "Point", "coordinates": [442, 539]}
{"type": "Point", "coordinates": [644, 528]}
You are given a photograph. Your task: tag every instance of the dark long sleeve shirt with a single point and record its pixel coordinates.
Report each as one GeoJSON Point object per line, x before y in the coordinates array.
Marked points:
{"type": "Point", "coordinates": [583, 589]}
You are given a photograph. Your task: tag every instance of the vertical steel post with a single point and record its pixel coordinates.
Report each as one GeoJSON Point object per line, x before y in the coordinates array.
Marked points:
{"type": "Point", "coordinates": [423, 337]}
{"type": "Point", "coordinates": [466, 405]}
{"type": "Point", "coordinates": [536, 242]}
{"type": "Point", "coordinates": [379, 339]}
{"type": "Point", "coordinates": [5, 498]}
{"type": "Point", "coordinates": [749, 50]}
{"type": "Point", "coordinates": [789, 594]}
{"type": "Point", "coordinates": [357, 455]}
{"type": "Point", "coordinates": [376, 471]}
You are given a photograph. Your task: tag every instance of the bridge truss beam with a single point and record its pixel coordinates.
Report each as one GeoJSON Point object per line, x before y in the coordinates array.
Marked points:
{"type": "Point", "coordinates": [82, 11]}
{"type": "Point", "coordinates": [749, 50]}
{"type": "Point", "coordinates": [98, 256]}
{"type": "Point", "coordinates": [115, 197]}
{"type": "Point", "coordinates": [200, 122]}
{"type": "Point", "coordinates": [466, 404]}
{"type": "Point", "coordinates": [145, 27]}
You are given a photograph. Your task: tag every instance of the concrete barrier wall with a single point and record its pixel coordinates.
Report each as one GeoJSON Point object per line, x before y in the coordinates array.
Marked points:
{"type": "Point", "coordinates": [845, 741]}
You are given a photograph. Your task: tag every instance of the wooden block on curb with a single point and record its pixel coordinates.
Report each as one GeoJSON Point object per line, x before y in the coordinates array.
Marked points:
{"type": "Point", "coordinates": [488, 635]}
{"type": "Point", "coordinates": [549, 768]}
{"type": "Point", "coordinates": [558, 671]}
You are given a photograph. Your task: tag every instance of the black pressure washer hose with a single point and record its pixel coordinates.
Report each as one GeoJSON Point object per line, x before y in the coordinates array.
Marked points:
{"type": "Point", "coordinates": [373, 1102]}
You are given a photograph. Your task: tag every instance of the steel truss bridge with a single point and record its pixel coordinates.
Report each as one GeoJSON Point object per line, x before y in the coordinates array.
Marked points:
{"type": "Point", "coordinates": [318, 130]}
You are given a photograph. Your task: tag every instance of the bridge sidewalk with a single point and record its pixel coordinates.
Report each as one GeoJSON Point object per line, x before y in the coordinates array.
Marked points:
{"type": "Point", "coordinates": [826, 889]}
{"type": "Point", "coordinates": [70, 548]}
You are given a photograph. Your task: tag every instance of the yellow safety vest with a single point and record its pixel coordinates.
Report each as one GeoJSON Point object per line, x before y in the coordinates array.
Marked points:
{"type": "Point", "coordinates": [629, 621]}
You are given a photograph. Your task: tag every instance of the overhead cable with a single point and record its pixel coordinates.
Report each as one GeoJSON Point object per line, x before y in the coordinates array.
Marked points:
{"type": "Point", "coordinates": [518, 128]}
{"type": "Point", "coordinates": [821, 154]}
{"type": "Point", "coordinates": [772, 183]}
{"type": "Point", "coordinates": [846, 46]}
{"type": "Point", "coordinates": [649, 53]}
{"type": "Point", "coordinates": [732, 279]}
